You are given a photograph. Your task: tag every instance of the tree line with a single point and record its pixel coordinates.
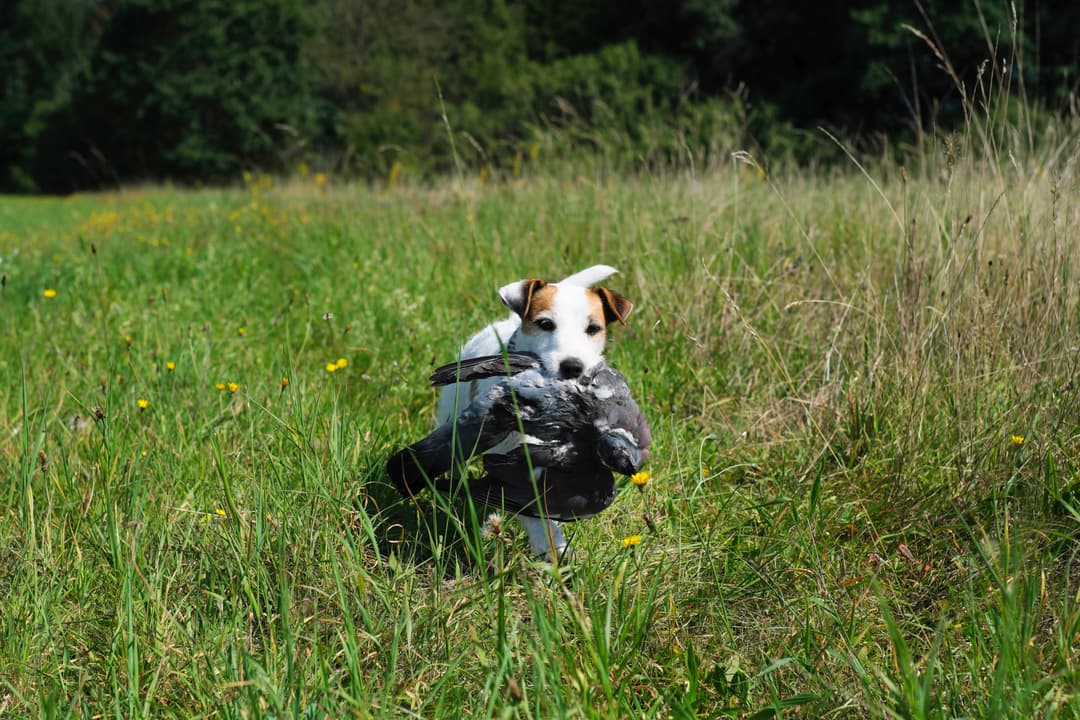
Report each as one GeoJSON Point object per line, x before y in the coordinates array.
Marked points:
{"type": "Point", "coordinates": [102, 92]}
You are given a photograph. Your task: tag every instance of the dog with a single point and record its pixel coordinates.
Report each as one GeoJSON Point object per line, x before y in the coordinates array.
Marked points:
{"type": "Point", "coordinates": [564, 324]}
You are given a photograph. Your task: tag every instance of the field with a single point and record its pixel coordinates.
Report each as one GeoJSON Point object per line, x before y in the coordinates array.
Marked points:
{"type": "Point", "coordinates": [865, 487]}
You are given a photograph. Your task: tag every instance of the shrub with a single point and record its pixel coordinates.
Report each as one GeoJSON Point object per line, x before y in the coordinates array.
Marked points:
{"type": "Point", "coordinates": [186, 89]}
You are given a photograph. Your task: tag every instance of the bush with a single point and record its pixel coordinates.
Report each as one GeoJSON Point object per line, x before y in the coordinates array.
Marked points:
{"type": "Point", "coordinates": [43, 44]}
{"type": "Point", "coordinates": [185, 89]}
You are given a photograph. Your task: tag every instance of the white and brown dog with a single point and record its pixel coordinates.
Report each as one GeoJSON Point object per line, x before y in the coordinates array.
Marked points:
{"type": "Point", "coordinates": [565, 325]}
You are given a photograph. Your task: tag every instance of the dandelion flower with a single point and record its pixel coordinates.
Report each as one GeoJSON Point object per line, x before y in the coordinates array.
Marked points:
{"type": "Point", "coordinates": [1017, 440]}
{"type": "Point", "coordinates": [341, 362]}
{"type": "Point", "coordinates": [170, 366]}
{"type": "Point", "coordinates": [143, 403]}
{"type": "Point", "coordinates": [129, 340]}
{"type": "Point", "coordinates": [233, 387]}
{"type": "Point", "coordinates": [220, 512]}
{"type": "Point", "coordinates": [631, 541]}
{"type": "Point", "coordinates": [640, 479]}
{"type": "Point", "coordinates": [50, 293]}
{"type": "Point", "coordinates": [284, 383]}
{"type": "Point", "coordinates": [220, 386]}
{"type": "Point", "coordinates": [331, 367]}
{"type": "Point", "coordinates": [240, 331]}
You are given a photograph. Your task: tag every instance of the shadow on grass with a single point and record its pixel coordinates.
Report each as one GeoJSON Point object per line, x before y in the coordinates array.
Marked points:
{"type": "Point", "coordinates": [445, 530]}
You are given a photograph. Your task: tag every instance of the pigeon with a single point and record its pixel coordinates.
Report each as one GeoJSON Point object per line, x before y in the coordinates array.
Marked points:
{"type": "Point", "coordinates": [565, 438]}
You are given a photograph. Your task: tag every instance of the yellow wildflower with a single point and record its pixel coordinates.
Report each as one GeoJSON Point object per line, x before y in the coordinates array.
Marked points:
{"type": "Point", "coordinates": [233, 387]}
{"type": "Point", "coordinates": [142, 403]}
{"type": "Point", "coordinates": [631, 540]}
{"type": "Point", "coordinates": [284, 383]}
{"type": "Point", "coordinates": [220, 386]}
{"type": "Point", "coordinates": [220, 512]}
{"type": "Point", "coordinates": [240, 331]}
{"type": "Point", "coordinates": [640, 479]}
{"type": "Point", "coordinates": [321, 179]}
{"type": "Point", "coordinates": [341, 362]}
{"type": "Point", "coordinates": [1017, 440]}
{"type": "Point", "coordinates": [50, 293]}
{"type": "Point", "coordinates": [170, 366]}
{"type": "Point", "coordinates": [331, 367]}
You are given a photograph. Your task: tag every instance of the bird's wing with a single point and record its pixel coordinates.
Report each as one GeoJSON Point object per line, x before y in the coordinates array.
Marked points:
{"type": "Point", "coordinates": [414, 467]}
{"type": "Point", "coordinates": [560, 481]}
{"type": "Point", "coordinates": [483, 367]}
{"type": "Point", "coordinates": [556, 495]}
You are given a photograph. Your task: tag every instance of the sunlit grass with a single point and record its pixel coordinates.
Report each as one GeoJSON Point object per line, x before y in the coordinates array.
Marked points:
{"type": "Point", "coordinates": [863, 499]}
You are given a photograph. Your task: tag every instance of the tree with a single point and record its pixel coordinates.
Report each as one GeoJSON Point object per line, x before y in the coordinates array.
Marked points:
{"type": "Point", "coordinates": [43, 45]}
{"type": "Point", "coordinates": [187, 89]}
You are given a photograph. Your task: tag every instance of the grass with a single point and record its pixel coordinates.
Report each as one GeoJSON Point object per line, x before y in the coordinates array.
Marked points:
{"type": "Point", "coordinates": [865, 499]}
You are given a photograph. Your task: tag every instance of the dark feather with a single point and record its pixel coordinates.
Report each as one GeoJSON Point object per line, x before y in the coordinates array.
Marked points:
{"type": "Point", "coordinates": [483, 367]}
{"type": "Point", "coordinates": [567, 486]}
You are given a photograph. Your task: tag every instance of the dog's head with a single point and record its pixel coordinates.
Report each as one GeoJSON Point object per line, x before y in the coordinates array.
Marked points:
{"type": "Point", "coordinates": [565, 323]}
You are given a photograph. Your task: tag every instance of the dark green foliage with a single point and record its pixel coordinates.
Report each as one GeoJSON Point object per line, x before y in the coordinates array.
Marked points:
{"type": "Point", "coordinates": [40, 45]}
{"type": "Point", "coordinates": [189, 89]}
{"type": "Point", "coordinates": [382, 65]}
{"type": "Point", "coordinates": [106, 91]}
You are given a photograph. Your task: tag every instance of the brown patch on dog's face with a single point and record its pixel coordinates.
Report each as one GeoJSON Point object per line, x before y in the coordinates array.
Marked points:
{"type": "Point", "coordinates": [596, 322]}
{"type": "Point", "coordinates": [539, 308]}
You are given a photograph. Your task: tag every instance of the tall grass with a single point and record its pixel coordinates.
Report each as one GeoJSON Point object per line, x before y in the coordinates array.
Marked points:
{"type": "Point", "coordinates": [864, 496]}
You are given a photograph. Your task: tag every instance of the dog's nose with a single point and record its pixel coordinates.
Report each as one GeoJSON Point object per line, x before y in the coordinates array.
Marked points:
{"type": "Point", "coordinates": [571, 368]}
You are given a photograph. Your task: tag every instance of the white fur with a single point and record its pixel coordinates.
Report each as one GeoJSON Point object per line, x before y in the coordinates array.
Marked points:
{"type": "Point", "coordinates": [569, 311]}
{"type": "Point", "coordinates": [590, 276]}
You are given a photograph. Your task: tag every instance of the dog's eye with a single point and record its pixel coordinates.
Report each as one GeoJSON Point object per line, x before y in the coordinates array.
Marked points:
{"type": "Point", "coordinates": [545, 324]}
{"type": "Point", "coordinates": [593, 329]}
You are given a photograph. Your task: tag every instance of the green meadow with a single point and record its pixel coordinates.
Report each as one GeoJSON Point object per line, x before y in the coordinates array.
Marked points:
{"type": "Point", "coordinates": [864, 497]}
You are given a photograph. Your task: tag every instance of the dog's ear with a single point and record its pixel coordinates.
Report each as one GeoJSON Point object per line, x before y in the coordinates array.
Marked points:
{"type": "Point", "coordinates": [517, 296]}
{"type": "Point", "coordinates": [616, 307]}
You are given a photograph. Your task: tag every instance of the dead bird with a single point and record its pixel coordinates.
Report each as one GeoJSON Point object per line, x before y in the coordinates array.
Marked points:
{"type": "Point", "coordinates": [551, 444]}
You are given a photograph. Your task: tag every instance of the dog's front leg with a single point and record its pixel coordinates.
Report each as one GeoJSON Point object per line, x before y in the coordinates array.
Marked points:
{"type": "Point", "coordinates": [545, 537]}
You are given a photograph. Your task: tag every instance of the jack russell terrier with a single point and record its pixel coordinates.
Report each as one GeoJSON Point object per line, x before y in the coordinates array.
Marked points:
{"type": "Point", "coordinates": [564, 325]}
